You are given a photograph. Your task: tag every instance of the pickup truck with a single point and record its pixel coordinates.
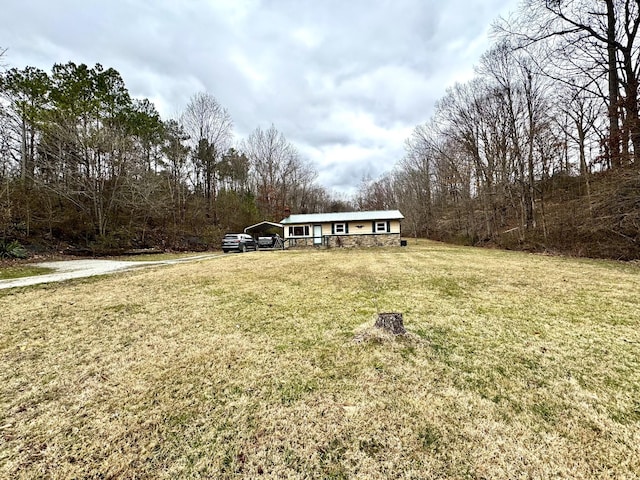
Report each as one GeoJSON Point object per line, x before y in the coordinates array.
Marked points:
{"type": "Point", "coordinates": [266, 242]}
{"type": "Point", "coordinates": [272, 241]}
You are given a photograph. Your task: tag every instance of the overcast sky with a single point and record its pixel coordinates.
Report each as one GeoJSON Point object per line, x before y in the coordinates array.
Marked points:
{"type": "Point", "coordinates": [345, 81]}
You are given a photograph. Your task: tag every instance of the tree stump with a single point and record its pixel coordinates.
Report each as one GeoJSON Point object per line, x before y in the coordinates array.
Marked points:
{"type": "Point", "coordinates": [391, 322]}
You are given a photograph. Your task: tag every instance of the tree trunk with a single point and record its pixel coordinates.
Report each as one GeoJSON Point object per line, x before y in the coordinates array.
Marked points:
{"type": "Point", "coordinates": [23, 151]}
{"type": "Point", "coordinates": [614, 126]}
{"type": "Point", "coordinates": [631, 108]}
{"type": "Point", "coordinates": [391, 323]}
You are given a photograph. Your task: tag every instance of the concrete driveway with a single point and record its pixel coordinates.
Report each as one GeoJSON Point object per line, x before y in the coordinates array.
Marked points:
{"type": "Point", "coordinates": [69, 269]}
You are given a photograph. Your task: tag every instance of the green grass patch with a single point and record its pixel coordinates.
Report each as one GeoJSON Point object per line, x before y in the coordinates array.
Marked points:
{"type": "Point", "coordinates": [23, 270]}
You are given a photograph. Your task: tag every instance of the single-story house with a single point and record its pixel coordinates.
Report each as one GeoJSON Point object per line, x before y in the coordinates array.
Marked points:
{"type": "Point", "coordinates": [345, 229]}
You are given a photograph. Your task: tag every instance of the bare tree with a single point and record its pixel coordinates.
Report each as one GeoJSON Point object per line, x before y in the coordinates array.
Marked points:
{"type": "Point", "coordinates": [413, 180]}
{"type": "Point", "coordinates": [209, 127]}
{"type": "Point", "coordinates": [583, 111]}
{"type": "Point", "coordinates": [274, 162]}
{"type": "Point", "coordinates": [377, 194]}
{"type": "Point", "coordinates": [602, 35]}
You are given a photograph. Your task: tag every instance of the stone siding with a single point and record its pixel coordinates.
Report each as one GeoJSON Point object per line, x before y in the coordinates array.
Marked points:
{"type": "Point", "coordinates": [348, 241]}
{"type": "Point", "coordinates": [376, 240]}
{"type": "Point", "coordinates": [300, 243]}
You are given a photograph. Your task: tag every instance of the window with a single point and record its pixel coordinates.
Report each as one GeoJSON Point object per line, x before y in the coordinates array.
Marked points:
{"type": "Point", "coordinates": [341, 228]}
{"type": "Point", "coordinates": [299, 231]}
{"type": "Point", "coordinates": [382, 227]}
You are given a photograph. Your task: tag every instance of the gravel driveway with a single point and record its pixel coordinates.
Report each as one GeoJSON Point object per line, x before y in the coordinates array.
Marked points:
{"type": "Point", "coordinates": [68, 269]}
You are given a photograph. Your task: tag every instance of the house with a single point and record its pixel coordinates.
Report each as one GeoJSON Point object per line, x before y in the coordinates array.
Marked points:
{"type": "Point", "coordinates": [346, 229]}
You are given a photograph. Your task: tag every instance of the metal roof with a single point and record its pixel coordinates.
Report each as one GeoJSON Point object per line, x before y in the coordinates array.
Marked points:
{"type": "Point", "coordinates": [271, 224]}
{"type": "Point", "coordinates": [344, 217]}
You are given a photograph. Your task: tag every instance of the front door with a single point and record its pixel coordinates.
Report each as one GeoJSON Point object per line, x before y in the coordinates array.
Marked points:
{"type": "Point", "coordinates": [317, 234]}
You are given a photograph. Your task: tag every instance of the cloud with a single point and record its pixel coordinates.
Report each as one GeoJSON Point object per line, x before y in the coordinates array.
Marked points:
{"type": "Point", "coordinates": [346, 82]}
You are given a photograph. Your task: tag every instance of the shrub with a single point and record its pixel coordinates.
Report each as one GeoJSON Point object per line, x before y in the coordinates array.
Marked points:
{"type": "Point", "coordinates": [12, 249]}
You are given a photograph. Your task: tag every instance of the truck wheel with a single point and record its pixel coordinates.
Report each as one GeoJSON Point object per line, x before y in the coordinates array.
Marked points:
{"type": "Point", "coordinates": [243, 249]}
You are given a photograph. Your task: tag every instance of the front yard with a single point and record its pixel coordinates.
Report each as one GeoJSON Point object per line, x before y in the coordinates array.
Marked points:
{"type": "Point", "coordinates": [517, 366]}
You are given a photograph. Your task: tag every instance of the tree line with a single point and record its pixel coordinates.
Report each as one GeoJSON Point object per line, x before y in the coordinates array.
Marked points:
{"type": "Point", "coordinates": [540, 149]}
{"type": "Point", "coordinates": [83, 163]}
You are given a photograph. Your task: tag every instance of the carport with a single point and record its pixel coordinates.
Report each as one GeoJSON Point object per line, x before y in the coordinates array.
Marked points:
{"type": "Point", "coordinates": [267, 230]}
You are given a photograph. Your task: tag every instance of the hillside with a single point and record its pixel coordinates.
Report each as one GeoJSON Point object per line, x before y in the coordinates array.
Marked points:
{"type": "Point", "coordinates": [600, 219]}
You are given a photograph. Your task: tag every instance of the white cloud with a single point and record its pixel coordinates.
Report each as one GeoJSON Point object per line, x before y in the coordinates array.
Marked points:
{"type": "Point", "coordinates": [307, 37]}
{"type": "Point", "coordinates": [346, 82]}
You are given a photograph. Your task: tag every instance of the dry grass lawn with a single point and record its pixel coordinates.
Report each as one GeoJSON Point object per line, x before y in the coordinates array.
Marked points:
{"type": "Point", "coordinates": [245, 366]}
